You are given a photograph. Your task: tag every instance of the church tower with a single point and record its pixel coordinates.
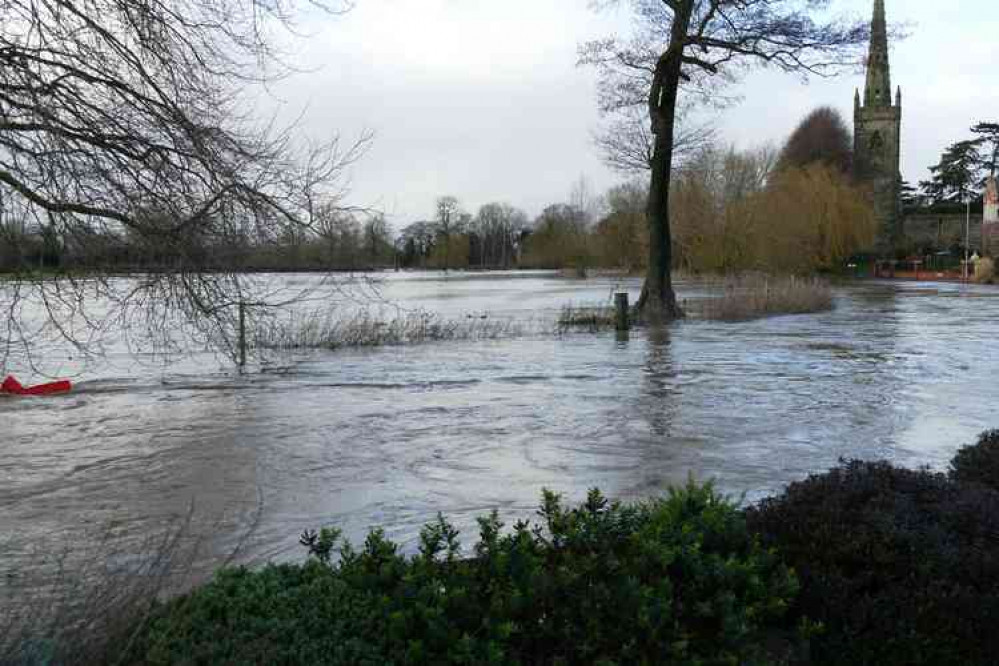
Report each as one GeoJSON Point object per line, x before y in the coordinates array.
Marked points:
{"type": "Point", "coordinates": [877, 137]}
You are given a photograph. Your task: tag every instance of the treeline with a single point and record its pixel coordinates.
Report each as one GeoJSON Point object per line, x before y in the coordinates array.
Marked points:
{"type": "Point", "coordinates": [796, 210]}
{"type": "Point", "coordinates": [338, 241]}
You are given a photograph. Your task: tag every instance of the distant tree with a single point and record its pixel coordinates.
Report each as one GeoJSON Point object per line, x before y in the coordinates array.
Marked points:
{"type": "Point", "coordinates": [417, 242]}
{"type": "Point", "coordinates": [823, 138]}
{"type": "Point", "coordinates": [498, 226]}
{"type": "Point", "coordinates": [957, 175]}
{"type": "Point", "coordinates": [586, 205]}
{"type": "Point", "coordinates": [378, 242]}
{"type": "Point", "coordinates": [623, 234]}
{"type": "Point", "coordinates": [988, 138]}
{"type": "Point", "coordinates": [559, 240]}
{"type": "Point", "coordinates": [710, 229]}
{"type": "Point", "coordinates": [449, 219]}
{"type": "Point", "coordinates": [692, 41]}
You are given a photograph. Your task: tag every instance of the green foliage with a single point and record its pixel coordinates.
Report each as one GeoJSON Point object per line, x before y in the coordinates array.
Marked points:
{"type": "Point", "coordinates": [978, 463]}
{"type": "Point", "coordinates": [899, 566]}
{"type": "Point", "coordinates": [957, 175]}
{"type": "Point", "coordinates": [676, 580]}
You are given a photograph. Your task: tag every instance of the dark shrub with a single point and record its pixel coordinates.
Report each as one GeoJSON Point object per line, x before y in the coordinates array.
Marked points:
{"type": "Point", "coordinates": [674, 581]}
{"type": "Point", "coordinates": [978, 463]}
{"type": "Point", "coordinates": [902, 567]}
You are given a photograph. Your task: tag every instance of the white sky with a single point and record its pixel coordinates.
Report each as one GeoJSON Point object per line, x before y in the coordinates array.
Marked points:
{"type": "Point", "coordinates": [483, 99]}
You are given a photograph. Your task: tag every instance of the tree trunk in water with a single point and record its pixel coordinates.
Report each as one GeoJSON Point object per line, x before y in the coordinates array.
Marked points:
{"type": "Point", "coordinates": [658, 300]}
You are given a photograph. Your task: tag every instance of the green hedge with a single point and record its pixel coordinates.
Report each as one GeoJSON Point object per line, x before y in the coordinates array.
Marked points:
{"type": "Point", "coordinates": [672, 581]}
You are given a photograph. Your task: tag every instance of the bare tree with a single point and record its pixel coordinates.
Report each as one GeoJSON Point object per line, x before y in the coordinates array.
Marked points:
{"type": "Point", "coordinates": [499, 226]}
{"type": "Point", "coordinates": [128, 117]}
{"type": "Point", "coordinates": [626, 142]}
{"type": "Point", "coordinates": [691, 42]}
{"type": "Point", "coordinates": [449, 217]}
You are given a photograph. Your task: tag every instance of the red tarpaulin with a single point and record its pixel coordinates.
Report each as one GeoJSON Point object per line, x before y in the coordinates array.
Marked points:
{"type": "Point", "coordinates": [11, 386]}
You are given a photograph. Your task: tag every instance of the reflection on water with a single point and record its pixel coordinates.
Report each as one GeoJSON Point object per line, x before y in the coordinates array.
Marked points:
{"type": "Point", "coordinates": [390, 436]}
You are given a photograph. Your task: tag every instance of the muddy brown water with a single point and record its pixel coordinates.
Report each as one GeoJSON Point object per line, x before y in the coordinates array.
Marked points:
{"type": "Point", "coordinates": [390, 436]}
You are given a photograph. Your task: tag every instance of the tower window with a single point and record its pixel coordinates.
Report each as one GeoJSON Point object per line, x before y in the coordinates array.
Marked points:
{"type": "Point", "coordinates": [877, 141]}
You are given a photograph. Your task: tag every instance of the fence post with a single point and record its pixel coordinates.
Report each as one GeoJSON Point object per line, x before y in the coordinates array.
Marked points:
{"type": "Point", "coordinates": [242, 334]}
{"type": "Point", "coordinates": [621, 303]}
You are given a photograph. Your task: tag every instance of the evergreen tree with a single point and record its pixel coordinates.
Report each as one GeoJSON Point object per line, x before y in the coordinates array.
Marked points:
{"type": "Point", "coordinates": [988, 138]}
{"type": "Point", "coordinates": [957, 175]}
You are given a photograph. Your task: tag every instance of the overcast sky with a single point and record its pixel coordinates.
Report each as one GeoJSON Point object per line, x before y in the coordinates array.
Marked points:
{"type": "Point", "coordinates": [483, 99]}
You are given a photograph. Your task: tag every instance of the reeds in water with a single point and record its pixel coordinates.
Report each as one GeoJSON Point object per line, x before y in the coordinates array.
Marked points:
{"type": "Point", "coordinates": [591, 319]}
{"type": "Point", "coordinates": [330, 330]}
{"type": "Point", "coordinates": [757, 296]}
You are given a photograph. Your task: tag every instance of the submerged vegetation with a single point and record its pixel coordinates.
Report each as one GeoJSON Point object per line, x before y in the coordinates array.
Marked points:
{"type": "Point", "coordinates": [753, 297]}
{"type": "Point", "coordinates": [592, 318]}
{"type": "Point", "coordinates": [327, 330]}
{"type": "Point", "coordinates": [735, 298]}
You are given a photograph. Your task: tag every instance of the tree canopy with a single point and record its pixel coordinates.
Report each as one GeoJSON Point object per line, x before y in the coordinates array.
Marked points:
{"type": "Point", "coordinates": [822, 137]}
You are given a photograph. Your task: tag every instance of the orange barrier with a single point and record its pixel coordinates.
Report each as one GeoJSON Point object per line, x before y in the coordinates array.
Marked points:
{"type": "Point", "coordinates": [11, 386]}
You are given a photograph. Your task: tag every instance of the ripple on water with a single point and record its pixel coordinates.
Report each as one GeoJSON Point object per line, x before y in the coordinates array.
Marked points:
{"type": "Point", "coordinates": [391, 436]}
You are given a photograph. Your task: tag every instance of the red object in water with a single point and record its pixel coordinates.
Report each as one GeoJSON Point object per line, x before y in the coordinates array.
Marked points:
{"type": "Point", "coordinates": [13, 387]}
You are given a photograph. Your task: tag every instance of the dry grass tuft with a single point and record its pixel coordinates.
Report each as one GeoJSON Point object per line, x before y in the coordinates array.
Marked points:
{"type": "Point", "coordinates": [985, 271]}
{"type": "Point", "coordinates": [755, 296]}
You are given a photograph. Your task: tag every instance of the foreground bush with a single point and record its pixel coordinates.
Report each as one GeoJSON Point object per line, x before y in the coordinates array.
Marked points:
{"type": "Point", "coordinates": [676, 581]}
{"type": "Point", "coordinates": [978, 463]}
{"type": "Point", "coordinates": [902, 567]}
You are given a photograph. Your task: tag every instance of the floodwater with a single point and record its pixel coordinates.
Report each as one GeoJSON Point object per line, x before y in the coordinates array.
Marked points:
{"type": "Point", "coordinates": [390, 436]}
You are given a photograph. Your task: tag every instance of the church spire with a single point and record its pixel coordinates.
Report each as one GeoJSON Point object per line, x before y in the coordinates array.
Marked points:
{"type": "Point", "coordinates": [878, 91]}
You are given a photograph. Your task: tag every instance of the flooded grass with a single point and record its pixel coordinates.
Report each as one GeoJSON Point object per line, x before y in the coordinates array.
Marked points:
{"type": "Point", "coordinates": [732, 299]}
{"type": "Point", "coordinates": [591, 318]}
{"type": "Point", "coordinates": [755, 297]}
{"type": "Point", "coordinates": [328, 330]}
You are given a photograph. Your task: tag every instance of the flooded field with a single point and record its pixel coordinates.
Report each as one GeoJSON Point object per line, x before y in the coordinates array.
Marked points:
{"type": "Point", "coordinates": [391, 436]}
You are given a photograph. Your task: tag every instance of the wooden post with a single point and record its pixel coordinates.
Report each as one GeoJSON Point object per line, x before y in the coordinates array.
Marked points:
{"type": "Point", "coordinates": [621, 303]}
{"type": "Point", "coordinates": [242, 334]}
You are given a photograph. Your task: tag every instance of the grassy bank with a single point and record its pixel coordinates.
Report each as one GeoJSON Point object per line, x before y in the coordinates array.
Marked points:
{"type": "Point", "coordinates": [865, 564]}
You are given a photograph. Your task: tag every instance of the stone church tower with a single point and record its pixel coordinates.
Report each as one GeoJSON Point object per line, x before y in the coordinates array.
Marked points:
{"type": "Point", "coordinates": [877, 137]}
